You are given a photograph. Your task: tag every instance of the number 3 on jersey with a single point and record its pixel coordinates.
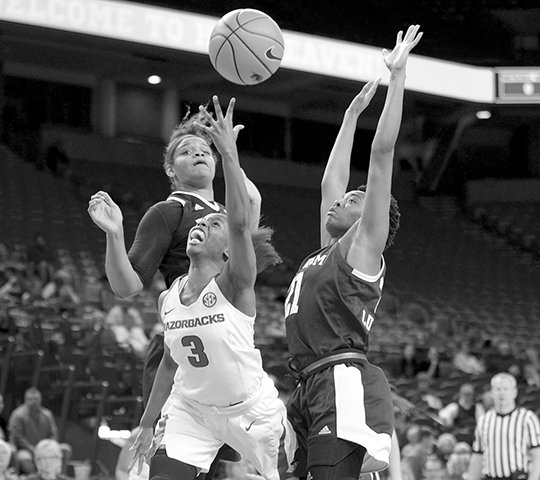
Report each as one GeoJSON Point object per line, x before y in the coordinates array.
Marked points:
{"type": "Point", "coordinates": [291, 302]}
{"type": "Point", "coordinates": [199, 358]}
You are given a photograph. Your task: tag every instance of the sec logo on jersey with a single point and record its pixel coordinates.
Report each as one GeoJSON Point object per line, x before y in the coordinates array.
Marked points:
{"type": "Point", "coordinates": [209, 300]}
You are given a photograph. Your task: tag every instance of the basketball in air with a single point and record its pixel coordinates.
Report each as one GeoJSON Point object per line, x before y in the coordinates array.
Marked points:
{"type": "Point", "coordinates": [246, 46]}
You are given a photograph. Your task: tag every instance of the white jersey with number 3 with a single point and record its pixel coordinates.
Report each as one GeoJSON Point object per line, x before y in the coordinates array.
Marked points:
{"type": "Point", "coordinates": [212, 343]}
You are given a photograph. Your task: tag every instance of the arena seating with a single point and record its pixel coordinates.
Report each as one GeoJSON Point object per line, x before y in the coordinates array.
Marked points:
{"type": "Point", "coordinates": [443, 266]}
{"type": "Point", "coordinates": [517, 222]}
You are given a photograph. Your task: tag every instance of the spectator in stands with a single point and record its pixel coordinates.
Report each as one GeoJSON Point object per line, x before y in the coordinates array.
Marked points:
{"type": "Point", "coordinates": [29, 424]}
{"type": "Point", "coordinates": [60, 291]}
{"type": "Point", "coordinates": [413, 362]}
{"type": "Point", "coordinates": [6, 452]}
{"type": "Point", "coordinates": [531, 368]}
{"type": "Point", "coordinates": [444, 446]}
{"type": "Point", "coordinates": [435, 469]}
{"type": "Point", "coordinates": [413, 438]}
{"type": "Point", "coordinates": [486, 402]}
{"type": "Point", "coordinates": [458, 463]}
{"type": "Point", "coordinates": [126, 322]}
{"type": "Point", "coordinates": [507, 438]}
{"type": "Point", "coordinates": [424, 397]}
{"type": "Point", "coordinates": [48, 457]}
{"type": "Point", "coordinates": [531, 376]}
{"type": "Point", "coordinates": [11, 287]}
{"type": "Point", "coordinates": [461, 415]}
{"type": "Point", "coordinates": [502, 359]}
{"type": "Point", "coordinates": [416, 458]}
{"type": "Point", "coordinates": [410, 363]}
{"type": "Point", "coordinates": [466, 362]}
{"type": "Point", "coordinates": [40, 258]}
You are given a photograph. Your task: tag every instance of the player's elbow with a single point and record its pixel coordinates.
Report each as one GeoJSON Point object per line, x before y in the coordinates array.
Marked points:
{"type": "Point", "coordinates": [127, 291]}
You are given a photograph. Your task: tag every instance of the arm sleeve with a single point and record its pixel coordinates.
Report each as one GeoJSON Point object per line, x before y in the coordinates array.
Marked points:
{"type": "Point", "coordinates": [152, 241]}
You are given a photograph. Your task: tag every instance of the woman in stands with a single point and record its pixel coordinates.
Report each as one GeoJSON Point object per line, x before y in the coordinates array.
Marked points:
{"type": "Point", "coordinates": [211, 375]}
{"type": "Point", "coordinates": [161, 237]}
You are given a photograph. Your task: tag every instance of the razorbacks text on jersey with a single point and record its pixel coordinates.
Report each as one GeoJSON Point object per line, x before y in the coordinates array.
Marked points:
{"type": "Point", "coordinates": [212, 343]}
{"type": "Point", "coordinates": [330, 306]}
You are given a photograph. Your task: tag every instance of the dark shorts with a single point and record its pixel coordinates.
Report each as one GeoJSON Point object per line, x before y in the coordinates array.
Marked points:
{"type": "Point", "coordinates": [339, 408]}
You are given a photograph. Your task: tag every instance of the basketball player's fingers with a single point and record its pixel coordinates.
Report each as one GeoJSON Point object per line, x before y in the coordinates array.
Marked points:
{"type": "Point", "coordinates": [399, 37]}
{"type": "Point", "coordinates": [204, 128]}
{"type": "Point", "coordinates": [373, 88]}
{"type": "Point", "coordinates": [94, 204]}
{"type": "Point", "coordinates": [133, 461]}
{"type": "Point", "coordinates": [230, 109]}
{"type": "Point", "coordinates": [217, 108]}
{"type": "Point", "coordinates": [367, 86]}
{"type": "Point", "coordinates": [140, 464]}
{"type": "Point", "coordinates": [105, 197]}
{"type": "Point", "coordinates": [411, 32]}
{"type": "Point", "coordinates": [207, 116]}
{"type": "Point", "coordinates": [416, 40]}
{"type": "Point", "coordinates": [237, 129]}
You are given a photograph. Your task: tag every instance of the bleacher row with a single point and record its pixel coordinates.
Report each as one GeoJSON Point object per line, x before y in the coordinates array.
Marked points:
{"type": "Point", "coordinates": [443, 266]}
{"type": "Point", "coordinates": [515, 222]}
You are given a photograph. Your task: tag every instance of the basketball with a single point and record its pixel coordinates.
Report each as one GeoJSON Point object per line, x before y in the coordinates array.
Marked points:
{"type": "Point", "coordinates": [246, 46]}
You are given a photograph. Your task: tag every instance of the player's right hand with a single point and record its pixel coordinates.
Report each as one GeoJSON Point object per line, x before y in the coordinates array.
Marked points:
{"type": "Point", "coordinates": [397, 58]}
{"type": "Point", "coordinates": [141, 448]}
{"type": "Point", "coordinates": [105, 213]}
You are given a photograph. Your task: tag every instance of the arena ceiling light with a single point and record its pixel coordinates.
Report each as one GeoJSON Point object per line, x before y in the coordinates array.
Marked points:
{"type": "Point", "coordinates": [483, 114]}
{"type": "Point", "coordinates": [154, 79]}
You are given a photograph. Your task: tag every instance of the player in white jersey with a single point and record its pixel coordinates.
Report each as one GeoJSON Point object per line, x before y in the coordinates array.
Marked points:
{"type": "Point", "coordinates": [211, 372]}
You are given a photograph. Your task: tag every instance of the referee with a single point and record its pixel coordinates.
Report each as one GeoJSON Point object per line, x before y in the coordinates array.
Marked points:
{"type": "Point", "coordinates": [507, 438]}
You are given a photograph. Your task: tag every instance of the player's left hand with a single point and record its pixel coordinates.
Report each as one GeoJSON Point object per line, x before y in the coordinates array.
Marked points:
{"type": "Point", "coordinates": [363, 99]}
{"type": "Point", "coordinates": [141, 448]}
{"type": "Point", "coordinates": [397, 58]}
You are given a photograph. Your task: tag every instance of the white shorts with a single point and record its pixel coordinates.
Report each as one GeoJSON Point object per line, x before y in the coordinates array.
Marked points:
{"type": "Point", "coordinates": [260, 433]}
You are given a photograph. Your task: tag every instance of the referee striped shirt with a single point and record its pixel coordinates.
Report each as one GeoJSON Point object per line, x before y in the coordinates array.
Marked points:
{"type": "Point", "coordinates": [504, 441]}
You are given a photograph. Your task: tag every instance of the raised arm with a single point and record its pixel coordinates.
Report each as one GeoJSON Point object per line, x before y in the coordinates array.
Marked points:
{"type": "Point", "coordinates": [371, 232]}
{"type": "Point", "coordinates": [240, 271]}
{"type": "Point", "coordinates": [336, 174]}
{"type": "Point", "coordinates": [106, 214]}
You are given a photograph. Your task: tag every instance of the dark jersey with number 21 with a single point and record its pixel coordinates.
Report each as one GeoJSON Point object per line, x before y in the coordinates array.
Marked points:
{"type": "Point", "coordinates": [330, 306]}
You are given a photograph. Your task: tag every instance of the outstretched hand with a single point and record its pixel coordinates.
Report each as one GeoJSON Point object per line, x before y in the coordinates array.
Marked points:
{"type": "Point", "coordinates": [397, 58]}
{"type": "Point", "coordinates": [363, 99]}
{"type": "Point", "coordinates": [104, 212]}
{"type": "Point", "coordinates": [221, 129]}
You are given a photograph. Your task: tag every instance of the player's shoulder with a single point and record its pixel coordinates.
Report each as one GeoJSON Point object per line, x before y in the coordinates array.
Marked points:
{"type": "Point", "coordinates": [195, 202]}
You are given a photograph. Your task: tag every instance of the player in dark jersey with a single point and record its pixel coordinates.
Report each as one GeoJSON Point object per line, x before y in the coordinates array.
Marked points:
{"type": "Point", "coordinates": [342, 409]}
{"type": "Point", "coordinates": [161, 237]}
